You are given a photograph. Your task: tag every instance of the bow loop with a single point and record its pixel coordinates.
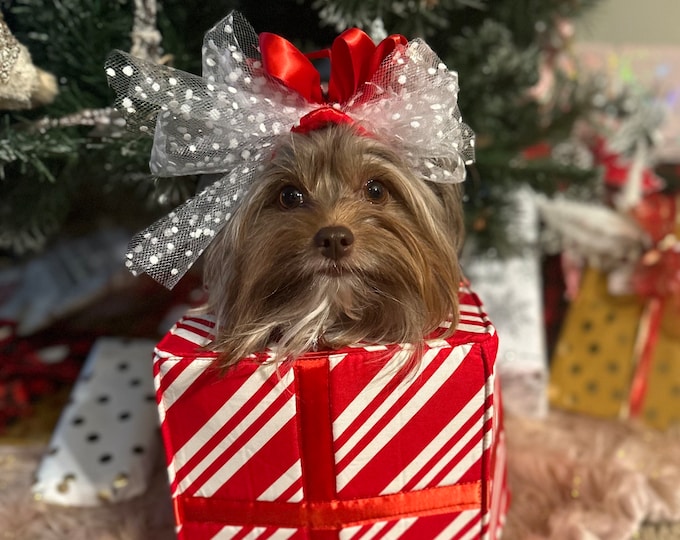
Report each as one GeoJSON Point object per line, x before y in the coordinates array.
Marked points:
{"type": "Point", "coordinates": [285, 63]}
{"type": "Point", "coordinates": [384, 49]}
{"type": "Point", "coordinates": [351, 54]}
{"type": "Point", "coordinates": [229, 48]}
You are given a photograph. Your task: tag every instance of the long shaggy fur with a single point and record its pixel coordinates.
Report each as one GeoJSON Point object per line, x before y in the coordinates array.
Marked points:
{"type": "Point", "coordinates": [268, 282]}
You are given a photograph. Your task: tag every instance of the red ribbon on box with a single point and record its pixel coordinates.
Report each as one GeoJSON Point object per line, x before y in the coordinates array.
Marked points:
{"type": "Point", "coordinates": [333, 514]}
{"type": "Point", "coordinates": [323, 512]}
{"type": "Point", "coordinates": [656, 278]}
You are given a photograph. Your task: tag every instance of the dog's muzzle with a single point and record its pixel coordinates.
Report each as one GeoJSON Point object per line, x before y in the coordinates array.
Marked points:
{"type": "Point", "coordinates": [334, 242]}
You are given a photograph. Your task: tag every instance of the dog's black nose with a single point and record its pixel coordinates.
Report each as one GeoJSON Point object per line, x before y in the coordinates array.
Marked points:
{"type": "Point", "coordinates": [334, 242]}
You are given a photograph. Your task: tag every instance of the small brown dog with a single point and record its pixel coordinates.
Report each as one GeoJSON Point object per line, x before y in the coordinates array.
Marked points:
{"type": "Point", "coordinates": [338, 242]}
{"type": "Point", "coordinates": [337, 217]}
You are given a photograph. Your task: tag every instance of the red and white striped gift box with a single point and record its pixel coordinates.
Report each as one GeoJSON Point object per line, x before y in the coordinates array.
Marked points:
{"type": "Point", "coordinates": [332, 445]}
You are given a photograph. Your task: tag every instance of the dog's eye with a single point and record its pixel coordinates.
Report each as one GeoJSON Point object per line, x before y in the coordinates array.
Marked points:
{"type": "Point", "coordinates": [375, 191]}
{"type": "Point", "coordinates": [290, 197]}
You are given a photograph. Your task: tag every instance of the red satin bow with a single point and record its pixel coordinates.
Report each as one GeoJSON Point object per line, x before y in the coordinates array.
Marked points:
{"type": "Point", "coordinates": [658, 272]}
{"type": "Point", "coordinates": [617, 169]}
{"type": "Point", "coordinates": [354, 59]}
{"type": "Point", "coordinates": [656, 278]}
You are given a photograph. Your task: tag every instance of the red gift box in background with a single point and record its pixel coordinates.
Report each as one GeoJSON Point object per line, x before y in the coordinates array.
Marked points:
{"type": "Point", "coordinates": [333, 445]}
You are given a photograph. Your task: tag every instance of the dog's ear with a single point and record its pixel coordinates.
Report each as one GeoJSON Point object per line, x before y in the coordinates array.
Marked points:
{"type": "Point", "coordinates": [451, 196]}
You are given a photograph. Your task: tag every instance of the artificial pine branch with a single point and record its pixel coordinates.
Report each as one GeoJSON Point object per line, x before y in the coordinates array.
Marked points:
{"type": "Point", "coordinates": [146, 39]}
{"type": "Point", "coordinates": [51, 155]}
{"type": "Point", "coordinates": [495, 51]}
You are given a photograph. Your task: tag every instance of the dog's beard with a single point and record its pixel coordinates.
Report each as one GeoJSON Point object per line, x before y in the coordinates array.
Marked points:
{"type": "Point", "coordinates": [269, 282]}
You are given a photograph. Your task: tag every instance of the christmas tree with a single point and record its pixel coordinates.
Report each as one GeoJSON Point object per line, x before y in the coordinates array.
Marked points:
{"type": "Point", "coordinates": [67, 164]}
{"type": "Point", "coordinates": [72, 173]}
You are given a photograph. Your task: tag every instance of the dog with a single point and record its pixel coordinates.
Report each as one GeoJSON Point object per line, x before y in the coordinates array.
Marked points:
{"type": "Point", "coordinates": [338, 242]}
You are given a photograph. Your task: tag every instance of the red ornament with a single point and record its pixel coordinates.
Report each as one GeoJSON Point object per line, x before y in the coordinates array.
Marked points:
{"type": "Point", "coordinates": [617, 169]}
{"type": "Point", "coordinates": [656, 214]}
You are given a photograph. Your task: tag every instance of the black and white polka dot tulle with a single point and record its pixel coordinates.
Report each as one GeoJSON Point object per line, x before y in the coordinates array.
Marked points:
{"type": "Point", "coordinates": [228, 120]}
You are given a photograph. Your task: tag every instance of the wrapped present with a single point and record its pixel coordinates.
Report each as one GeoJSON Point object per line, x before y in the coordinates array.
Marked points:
{"type": "Point", "coordinates": [617, 355]}
{"type": "Point", "coordinates": [335, 444]}
{"type": "Point", "coordinates": [593, 361]}
{"type": "Point", "coordinates": [71, 275]}
{"type": "Point", "coordinates": [517, 312]}
{"type": "Point", "coordinates": [103, 447]}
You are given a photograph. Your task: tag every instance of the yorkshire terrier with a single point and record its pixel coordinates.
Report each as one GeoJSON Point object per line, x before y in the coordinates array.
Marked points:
{"type": "Point", "coordinates": [338, 242]}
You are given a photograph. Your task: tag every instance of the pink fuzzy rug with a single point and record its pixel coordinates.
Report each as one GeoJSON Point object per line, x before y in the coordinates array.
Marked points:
{"type": "Point", "coordinates": [22, 518]}
{"type": "Point", "coordinates": [571, 478]}
{"type": "Point", "coordinates": [574, 477]}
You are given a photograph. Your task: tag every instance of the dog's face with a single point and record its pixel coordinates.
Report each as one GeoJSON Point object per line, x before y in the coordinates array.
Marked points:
{"type": "Point", "coordinates": [337, 242]}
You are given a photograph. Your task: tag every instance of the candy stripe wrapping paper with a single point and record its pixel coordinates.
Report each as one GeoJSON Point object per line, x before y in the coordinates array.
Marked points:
{"type": "Point", "coordinates": [332, 445]}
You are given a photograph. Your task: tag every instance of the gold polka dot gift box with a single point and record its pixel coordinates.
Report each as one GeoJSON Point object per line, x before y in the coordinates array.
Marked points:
{"type": "Point", "coordinates": [618, 356]}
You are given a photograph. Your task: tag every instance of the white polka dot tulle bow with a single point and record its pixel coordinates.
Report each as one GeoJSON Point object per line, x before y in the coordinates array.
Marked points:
{"type": "Point", "coordinates": [255, 89]}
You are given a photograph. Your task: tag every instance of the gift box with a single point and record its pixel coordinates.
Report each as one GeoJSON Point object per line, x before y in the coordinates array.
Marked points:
{"type": "Point", "coordinates": [104, 445]}
{"type": "Point", "coordinates": [335, 444]}
{"type": "Point", "coordinates": [617, 355]}
{"type": "Point", "coordinates": [517, 312]}
{"type": "Point", "coordinates": [592, 365]}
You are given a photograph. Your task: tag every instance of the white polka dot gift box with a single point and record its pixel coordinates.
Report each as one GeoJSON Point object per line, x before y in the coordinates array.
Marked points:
{"type": "Point", "coordinates": [106, 440]}
{"type": "Point", "coordinates": [332, 444]}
